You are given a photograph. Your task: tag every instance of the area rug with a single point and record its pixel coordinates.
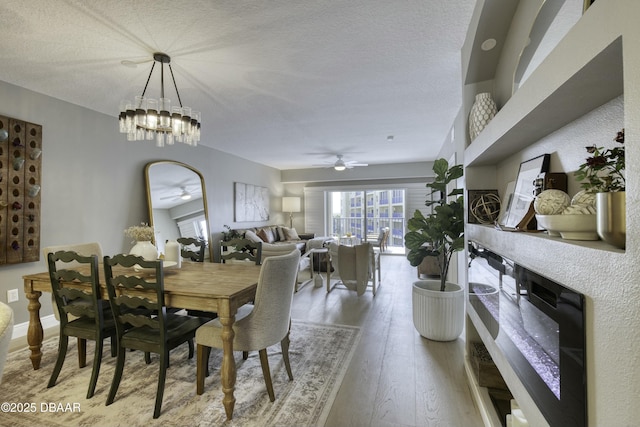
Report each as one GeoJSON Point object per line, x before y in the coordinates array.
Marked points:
{"type": "Point", "coordinates": [319, 353]}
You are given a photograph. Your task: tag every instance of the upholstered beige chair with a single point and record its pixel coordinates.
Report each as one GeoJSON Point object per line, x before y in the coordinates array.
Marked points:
{"type": "Point", "coordinates": [6, 330]}
{"type": "Point", "coordinates": [354, 267]}
{"type": "Point", "coordinates": [304, 266]}
{"type": "Point", "coordinates": [260, 325]}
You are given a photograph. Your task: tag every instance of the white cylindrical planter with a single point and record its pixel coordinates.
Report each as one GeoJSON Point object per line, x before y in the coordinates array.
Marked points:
{"type": "Point", "coordinates": [482, 111]}
{"type": "Point", "coordinates": [437, 315]}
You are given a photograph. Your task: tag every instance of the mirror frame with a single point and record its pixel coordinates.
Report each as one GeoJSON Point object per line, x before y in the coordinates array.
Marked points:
{"type": "Point", "coordinates": [204, 194]}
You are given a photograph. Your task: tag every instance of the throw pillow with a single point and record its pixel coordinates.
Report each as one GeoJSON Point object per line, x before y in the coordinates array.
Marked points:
{"type": "Point", "coordinates": [266, 235]}
{"type": "Point", "coordinates": [281, 235]}
{"type": "Point", "coordinates": [252, 236]}
{"type": "Point", "coordinates": [290, 234]}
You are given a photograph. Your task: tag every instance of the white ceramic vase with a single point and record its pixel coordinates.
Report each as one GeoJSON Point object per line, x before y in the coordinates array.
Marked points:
{"type": "Point", "coordinates": [482, 111]}
{"type": "Point", "coordinates": [145, 249]}
{"type": "Point", "coordinates": [437, 315]}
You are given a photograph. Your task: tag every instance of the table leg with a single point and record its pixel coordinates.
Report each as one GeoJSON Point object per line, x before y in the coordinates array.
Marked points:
{"type": "Point", "coordinates": [228, 375]}
{"type": "Point", "coordinates": [34, 333]}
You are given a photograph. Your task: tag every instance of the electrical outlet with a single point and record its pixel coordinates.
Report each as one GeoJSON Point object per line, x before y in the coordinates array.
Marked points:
{"type": "Point", "coordinates": [12, 295]}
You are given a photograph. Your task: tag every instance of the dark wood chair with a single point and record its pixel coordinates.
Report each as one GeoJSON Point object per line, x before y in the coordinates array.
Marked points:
{"type": "Point", "coordinates": [192, 248]}
{"type": "Point", "coordinates": [141, 317]}
{"type": "Point", "coordinates": [82, 312]}
{"type": "Point", "coordinates": [241, 249]}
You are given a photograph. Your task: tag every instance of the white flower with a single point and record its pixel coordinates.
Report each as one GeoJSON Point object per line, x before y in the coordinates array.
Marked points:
{"type": "Point", "coordinates": [140, 232]}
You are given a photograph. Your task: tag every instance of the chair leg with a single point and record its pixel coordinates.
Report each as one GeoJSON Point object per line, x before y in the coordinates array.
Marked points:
{"type": "Point", "coordinates": [147, 357]}
{"type": "Point", "coordinates": [97, 359]}
{"type": "Point", "coordinates": [245, 355]}
{"type": "Point", "coordinates": [264, 362]}
{"type": "Point", "coordinates": [164, 364]}
{"type": "Point", "coordinates": [202, 366]}
{"type": "Point", "coordinates": [284, 344]}
{"type": "Point", "coordinates": [82, 352]}
{"type": "Point", "coordinates": [114, 346]}
{"type": "Point", "coordinates": [191, 348]}
{"type": "Point", "coordinates": [62, 353]}
{"type": "Point", "coordinates": [117, 376]}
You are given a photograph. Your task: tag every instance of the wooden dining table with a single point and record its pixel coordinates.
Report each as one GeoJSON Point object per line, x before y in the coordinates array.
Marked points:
{"type": "Point", "coordinates": [220, 288]}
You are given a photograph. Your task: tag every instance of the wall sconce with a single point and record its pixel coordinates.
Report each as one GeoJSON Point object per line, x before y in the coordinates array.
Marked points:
{"type": "Point", "coordinates": [291, 205]}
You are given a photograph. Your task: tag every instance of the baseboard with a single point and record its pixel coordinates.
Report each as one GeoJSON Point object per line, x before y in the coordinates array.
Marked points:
{"type": "Point", "coordinates": [19, 336]}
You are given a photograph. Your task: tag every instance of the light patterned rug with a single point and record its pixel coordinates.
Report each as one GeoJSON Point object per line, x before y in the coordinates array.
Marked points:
{"type": "Point", "coordinates": [320, 355]}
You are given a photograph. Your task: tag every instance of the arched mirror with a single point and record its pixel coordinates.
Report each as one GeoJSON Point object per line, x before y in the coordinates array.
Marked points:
{"type": "Point", "coordinates": [177, 202]}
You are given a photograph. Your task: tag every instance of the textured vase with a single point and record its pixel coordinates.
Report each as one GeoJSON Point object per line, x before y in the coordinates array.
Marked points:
{"type": "Point", "coordinates": [611, 215]}
{"type": "Point", "coordinates": [438, 316]}
{"type": "Point", "coordinates": [145, 249]}
{"type": "Point", "coordinates": [482, 111]}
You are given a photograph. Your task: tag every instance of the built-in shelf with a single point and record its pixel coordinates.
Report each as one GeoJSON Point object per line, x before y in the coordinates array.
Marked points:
{"type": "Point", "coordinates": [490, 234]}
{"type": "Point", "coordinates": [537, 110]}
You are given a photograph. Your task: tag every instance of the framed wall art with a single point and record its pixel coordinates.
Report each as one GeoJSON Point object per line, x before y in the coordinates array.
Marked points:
{"type": "Point", "coordinates": [521, 207]}
{"type": "Point", "coordinates": [251, 202]}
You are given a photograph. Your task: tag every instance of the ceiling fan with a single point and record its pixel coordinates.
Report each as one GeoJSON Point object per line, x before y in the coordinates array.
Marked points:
{"type": "Point", "coordinates": [341, 165]}
{"type": "Point", "coordinates": [184, 195]}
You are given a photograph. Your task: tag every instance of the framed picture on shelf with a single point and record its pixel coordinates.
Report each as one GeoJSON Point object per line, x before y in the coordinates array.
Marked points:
{"type": "Point", "coordinates": [505, 205]}
{"type": "Point", "coordinates": [521, 209]}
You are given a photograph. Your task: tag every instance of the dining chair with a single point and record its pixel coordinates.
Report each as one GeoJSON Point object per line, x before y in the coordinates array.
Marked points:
{"type": "Point", "coordinates": [355, 267]}
{"type": "Point", "coordinates": [260, 325]}
{"type": "Point", "coordinates": [136, 294]}
{"type": "Point", "coordinates": [241, 249]}
{"type": "Point", "coordinates": [86, 249]}
{"type": "Point", "coordinates": [91, 321]}
{"type": "Point", "coordinates": [193, 249]}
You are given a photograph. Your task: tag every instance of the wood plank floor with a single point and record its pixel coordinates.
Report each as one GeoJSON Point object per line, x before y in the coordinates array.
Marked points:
{"type": "Point", "coordinates": [396, 377]}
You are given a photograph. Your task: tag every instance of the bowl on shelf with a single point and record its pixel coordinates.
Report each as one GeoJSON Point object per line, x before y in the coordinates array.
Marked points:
{"type": "Point", "coordinates": [570, 227]}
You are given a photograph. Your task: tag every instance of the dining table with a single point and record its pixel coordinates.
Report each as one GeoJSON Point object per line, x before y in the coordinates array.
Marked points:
{"type": "Point", "coordinates": [205, 286]}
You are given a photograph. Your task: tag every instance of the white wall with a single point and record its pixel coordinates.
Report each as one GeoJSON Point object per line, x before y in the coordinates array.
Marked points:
{"type": "Point", "coordinates": [93, 181]}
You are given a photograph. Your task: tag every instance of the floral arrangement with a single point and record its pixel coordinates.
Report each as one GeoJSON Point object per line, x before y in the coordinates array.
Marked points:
{"type": "Point", "coordinates": [229, 234]}
{"type": "Point", "coordinates": [603, 171]}
{"type": "Point", "coordinates": [140, 232]}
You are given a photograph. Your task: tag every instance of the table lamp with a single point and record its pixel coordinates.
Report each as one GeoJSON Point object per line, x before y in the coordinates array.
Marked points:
{"type": "Point", "coordinates": [291, 205]}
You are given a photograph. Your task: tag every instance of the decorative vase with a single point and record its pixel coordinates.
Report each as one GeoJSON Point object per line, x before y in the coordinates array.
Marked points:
{"type": "Point", "coordinates": [482, 111]}
{"type": "Point", "coordinates": [611, 214]}
{"type": "Point", "coordinates": [145, 249]}
{"type": "Point", "coordinates": [437, 315]}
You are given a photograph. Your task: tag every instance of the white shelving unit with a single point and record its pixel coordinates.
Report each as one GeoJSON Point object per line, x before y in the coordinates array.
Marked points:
{"type": "Point", "coordinates": [592, 65]}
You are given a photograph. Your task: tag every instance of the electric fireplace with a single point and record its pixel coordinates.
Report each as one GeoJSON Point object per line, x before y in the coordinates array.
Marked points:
{"type": "Point", "coordinates": [539, 326]}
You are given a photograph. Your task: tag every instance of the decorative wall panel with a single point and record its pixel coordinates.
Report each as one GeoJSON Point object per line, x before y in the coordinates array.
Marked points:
{"type": "Point", "coordinates": [20, 181]}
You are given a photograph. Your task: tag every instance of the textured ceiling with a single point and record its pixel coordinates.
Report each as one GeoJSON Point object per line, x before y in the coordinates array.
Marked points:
{"type": "Point", "coordinates": [285, 83]}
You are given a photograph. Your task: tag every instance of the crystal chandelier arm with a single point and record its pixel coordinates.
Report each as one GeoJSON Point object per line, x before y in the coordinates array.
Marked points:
{"type": "Point", "coordinates": [148, 78]}
{"type": "Point", "coordinates": [175, 86]}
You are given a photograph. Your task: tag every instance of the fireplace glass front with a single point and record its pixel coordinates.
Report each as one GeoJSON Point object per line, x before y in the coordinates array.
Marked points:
{"type": "Point", "coordinates": [538, 325]}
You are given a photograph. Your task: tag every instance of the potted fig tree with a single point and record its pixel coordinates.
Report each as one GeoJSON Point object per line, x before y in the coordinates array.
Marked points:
{"type": "Point", "coordinates": [438, 306]}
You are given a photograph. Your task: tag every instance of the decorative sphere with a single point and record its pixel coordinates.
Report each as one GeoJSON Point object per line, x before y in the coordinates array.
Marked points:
{"type": "Point", "coordinates": [551, 202]}
{"type": "Point", "coordinates": [584, 198]}
{"type": "Point", "coordinates": [485, 208]}
{"type": "Point", "coordinates": [4, 135]}
{"type": "Point", "coordinates": [579, 209]}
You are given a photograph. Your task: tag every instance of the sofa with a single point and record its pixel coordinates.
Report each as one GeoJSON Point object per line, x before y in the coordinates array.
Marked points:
{"type": "Point", "coordinates": [276, 235]}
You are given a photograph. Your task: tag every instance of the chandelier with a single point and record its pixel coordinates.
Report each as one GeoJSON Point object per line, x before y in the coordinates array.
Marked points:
{"type": "Point", "coordinates": [149, 119]}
